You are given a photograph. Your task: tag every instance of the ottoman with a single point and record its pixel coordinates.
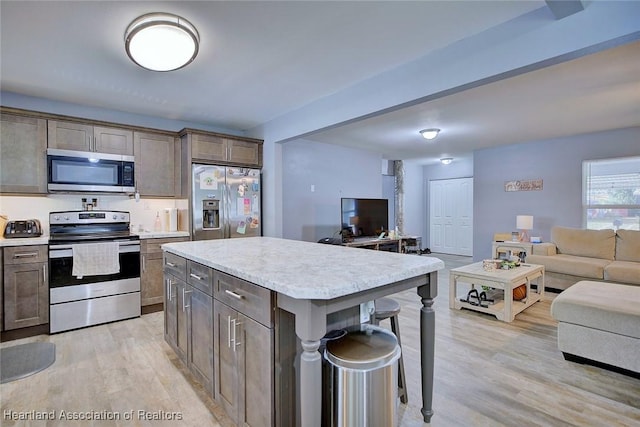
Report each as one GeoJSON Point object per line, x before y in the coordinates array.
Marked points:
{"type": "Point", "coordinates": [600, 322]}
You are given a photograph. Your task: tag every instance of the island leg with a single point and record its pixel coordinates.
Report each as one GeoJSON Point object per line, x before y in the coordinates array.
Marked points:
{"type": "Point", "coordinates": [427, 344]}
{"type": "Point", "coordinates": [310, 384]}
{"type": "Point", "coordinates": [311, 326]}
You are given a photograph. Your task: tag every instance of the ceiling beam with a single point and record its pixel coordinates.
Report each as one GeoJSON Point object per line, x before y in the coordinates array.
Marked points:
{"type": "Point", "coordinates": [563, 8]}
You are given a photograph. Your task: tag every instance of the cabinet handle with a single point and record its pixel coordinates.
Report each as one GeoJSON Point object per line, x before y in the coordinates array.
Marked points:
{"type": "Point", "coordinates": [184, 299]}
{"type": "Point", "coordinates": [170, 264]}
{"type": "Point", "coordinates": [231, 332]}
{"type": "Point", "coordinates": [235, 338]}
{"type": "Point", "coordinates": [169, 293]}
{"type": "Point", "coordinates": [195, 276]}
{"type": "Point", "coordinates": [233, 294]}
{"type": "Point", "coordinates": [144, 265]}
{"type": "Point", "coordinates": [26, 255]}
{"type": "Point", "coordinates": [44, 274]}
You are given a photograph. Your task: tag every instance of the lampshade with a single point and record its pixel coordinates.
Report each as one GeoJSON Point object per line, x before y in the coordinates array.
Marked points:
{"type": "Point", "coordinates": [524, 222]}
{"type": "Point", "coordinates": [429, 133]}
{"type": "Point", "coordinates": [446, 160]}
{"type": "Point", "coordinates": [161, 42]}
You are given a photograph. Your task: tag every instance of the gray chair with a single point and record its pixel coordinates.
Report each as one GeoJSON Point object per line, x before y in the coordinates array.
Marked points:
{"type": "Point", "coordinates": [388, 308]}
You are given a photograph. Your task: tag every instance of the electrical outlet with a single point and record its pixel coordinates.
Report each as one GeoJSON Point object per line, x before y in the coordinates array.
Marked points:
{"type": "Point", "coordinates": [313, 188]}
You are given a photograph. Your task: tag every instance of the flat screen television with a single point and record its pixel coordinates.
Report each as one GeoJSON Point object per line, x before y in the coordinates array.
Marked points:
{"type": "Point", "coordinates": [364, 217]}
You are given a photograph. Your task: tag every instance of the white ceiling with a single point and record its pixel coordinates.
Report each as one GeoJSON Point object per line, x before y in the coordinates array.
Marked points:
{"type": "Point", "coordinates": [593, 93]}
{"type": "Point", "coordinates": [261, 60]}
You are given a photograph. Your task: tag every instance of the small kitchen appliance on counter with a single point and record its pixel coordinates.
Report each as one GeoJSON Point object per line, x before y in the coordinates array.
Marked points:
{"type": "Point", "coordinates": [22, 229]}
{"type": "Point", "coordinates": [94, 265]}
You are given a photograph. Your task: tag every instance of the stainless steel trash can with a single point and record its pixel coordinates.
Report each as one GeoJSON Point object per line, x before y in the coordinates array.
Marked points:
{"type": "Point", "coordinates": [363, 377]}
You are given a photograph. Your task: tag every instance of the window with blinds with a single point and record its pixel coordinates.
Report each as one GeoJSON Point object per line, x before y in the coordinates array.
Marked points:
{"type": "Point", "coordinates": [611, 193]}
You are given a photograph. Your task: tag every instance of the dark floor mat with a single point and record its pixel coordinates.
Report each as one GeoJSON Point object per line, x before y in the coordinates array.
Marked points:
{"type": "Point", "coordinates": [22, 360]}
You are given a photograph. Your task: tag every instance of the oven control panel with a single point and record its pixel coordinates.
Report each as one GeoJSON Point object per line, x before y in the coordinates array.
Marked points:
{"type": "Point", "coordinates": [88, 217]}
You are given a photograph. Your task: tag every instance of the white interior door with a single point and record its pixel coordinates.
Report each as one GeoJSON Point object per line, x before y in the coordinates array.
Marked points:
{"type": "Point", "coordinates": [451, 216]}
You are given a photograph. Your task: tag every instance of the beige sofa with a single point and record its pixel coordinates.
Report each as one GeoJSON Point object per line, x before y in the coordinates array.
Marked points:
{"type": "Point", "coordinates": [574, 254]}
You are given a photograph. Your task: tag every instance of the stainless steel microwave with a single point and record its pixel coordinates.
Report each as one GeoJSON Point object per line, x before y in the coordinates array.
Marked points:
{"type": "Point", "coordinates": [89, 172]}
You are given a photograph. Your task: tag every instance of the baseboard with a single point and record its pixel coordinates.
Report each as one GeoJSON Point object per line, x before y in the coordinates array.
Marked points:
{"type": "Point", "coordinates": [584, 361]}
{"type": "Point", "coordinates": [31, 331]}
{"type": "Point", "coordinates": [147, 309]}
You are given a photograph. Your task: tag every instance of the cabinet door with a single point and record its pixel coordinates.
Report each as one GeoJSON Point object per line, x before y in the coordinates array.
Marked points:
{"type": "Point", "coordinates": [182, 316]}
{"type": "Point", "coordinates": [244, 152]}
{"type": "Point", "coordinates": [23, 154]}
{"type": "Point", "coordinates": [170, 311]}
{"type": "Point", "coordinates": [1, 293]}
{"type": "Point", "coordinates": [209, 148]}
{"type": "Point", "coordinates": [113, 141]}
{"type": "Point", "coordinates": [175, 316]}
{"type": "Point", "coordinates": [225, 361]}
{"type": "Point", "coordinates": [256, 383]}
{"type": "Point", "coordinates": [201, 338]}
{"type": "Point", "coordinates": [151, 283]}
{"type": "Point", "coordinates": [70, 135]}
{"type": "Point", "coordinates": [26, 295]}
{"type": "Point", "coordinates": [157, 164]}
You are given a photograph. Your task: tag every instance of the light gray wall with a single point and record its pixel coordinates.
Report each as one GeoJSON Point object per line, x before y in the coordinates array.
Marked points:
{"type": "Point", "coordinates": [335, 172]}
{"type": "Point", "coordinates": [43, 105]}
{"type": "Point", "coordinates": [558, 162]}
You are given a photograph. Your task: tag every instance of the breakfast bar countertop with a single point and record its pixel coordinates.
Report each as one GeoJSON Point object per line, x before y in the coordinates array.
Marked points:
{"type": "Point", "coordinates": [304, 270]}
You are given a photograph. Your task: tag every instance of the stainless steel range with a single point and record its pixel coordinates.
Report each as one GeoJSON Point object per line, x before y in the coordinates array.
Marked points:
{"type": "Point", "coordinates": [94, 265]}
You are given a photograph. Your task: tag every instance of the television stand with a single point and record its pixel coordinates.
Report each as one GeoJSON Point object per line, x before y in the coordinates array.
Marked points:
{"type": "Point", "coordinates": [384, 244]}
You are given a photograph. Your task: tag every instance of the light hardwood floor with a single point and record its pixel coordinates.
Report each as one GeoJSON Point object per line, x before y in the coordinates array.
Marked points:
{"type": "Point", "coordinates": [487, 373]}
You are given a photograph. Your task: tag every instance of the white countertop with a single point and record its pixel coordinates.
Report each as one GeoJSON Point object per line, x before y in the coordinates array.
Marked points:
{"type": "Point", "coordinates": [24, 241]}
{"type": "Point", "coordinates": [160, 234]}
{"type": "Point", "coordinates": [305, 270]}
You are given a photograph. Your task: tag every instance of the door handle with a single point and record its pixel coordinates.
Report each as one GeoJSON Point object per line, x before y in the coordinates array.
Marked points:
{"type": "Point", "coordinates": [233, 294]}
{"type": "Point", "coordinates": [144, 264]}
{"type": "Point", "coordinates": [169, 294]}
{"type": "Point", "coordinates": [232, 331]}
{"type": "Point", "coordinates": [44, 274]}
{"type": "Point", "coordinates": [26, 255]}
{"type": "Point", "coordinates": [185, 292]}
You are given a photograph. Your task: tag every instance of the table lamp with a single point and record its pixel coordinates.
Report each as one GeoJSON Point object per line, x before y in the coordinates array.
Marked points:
{"type": "Point", "coordinates": [524, 223]}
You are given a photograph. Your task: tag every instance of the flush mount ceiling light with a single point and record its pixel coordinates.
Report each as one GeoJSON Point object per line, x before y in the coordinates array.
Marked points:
{"type": "Point", "coordinates": [161, 42]}
{"type": "Point", "coordinates": [429, 134]}
{"type": "Point", "coordinates": [446, 160]}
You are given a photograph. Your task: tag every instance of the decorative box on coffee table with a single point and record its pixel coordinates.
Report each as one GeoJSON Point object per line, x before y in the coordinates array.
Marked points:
{"type": "Point", "coordinates": [475, 276]}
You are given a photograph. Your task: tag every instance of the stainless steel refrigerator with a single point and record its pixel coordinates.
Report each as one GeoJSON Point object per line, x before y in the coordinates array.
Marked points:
{"type": "Point", "coordinates": [225, 202]}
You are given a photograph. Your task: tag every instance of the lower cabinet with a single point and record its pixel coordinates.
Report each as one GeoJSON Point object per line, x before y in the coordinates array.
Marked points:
{"type": "Point", "coordinates": [151, 281]}
{"type": "Point", "coordinates": [222, 328]}
{"type": "Point", "coordinates": [26, 286]}
{"type": "Point", "coordinates": [189, 323]}
{"type": "Point", "coordinates": [243, 367]}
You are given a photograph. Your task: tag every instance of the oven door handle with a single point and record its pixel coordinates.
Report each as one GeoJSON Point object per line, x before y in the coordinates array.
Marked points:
{"type": "Point", "coordinates": [65, 251]}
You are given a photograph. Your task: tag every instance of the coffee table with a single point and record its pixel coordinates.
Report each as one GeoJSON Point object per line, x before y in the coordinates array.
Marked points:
{"type": "Point", "coordinates": [506, 280]}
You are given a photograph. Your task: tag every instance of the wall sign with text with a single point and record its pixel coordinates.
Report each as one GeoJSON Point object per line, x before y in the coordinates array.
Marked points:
{"type": "Point", "coordinates": [523, 185]}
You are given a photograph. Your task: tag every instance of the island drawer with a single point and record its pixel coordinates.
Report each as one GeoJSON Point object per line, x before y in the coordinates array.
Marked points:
{"type": "Point", "coordinates": [175, 265]}
{"type": "Point", "coordinates": [25, 254]}
{"type": "Point", "coordinates": [251, 300]}
{"type": "Point", "coordinates": [200, 276]}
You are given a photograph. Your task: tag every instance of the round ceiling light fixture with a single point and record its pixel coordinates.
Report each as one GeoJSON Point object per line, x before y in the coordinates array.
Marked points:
{"type": "Point", "coordinates": [446, 160]}
{"type": "Point", "coordinates": [429, 134]}
{"type": "Point", "coordinates": [161, 41]}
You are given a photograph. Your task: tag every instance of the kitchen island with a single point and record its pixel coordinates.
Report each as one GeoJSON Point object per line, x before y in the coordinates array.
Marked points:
{"type": "Point", "coordinates": [311, 282]}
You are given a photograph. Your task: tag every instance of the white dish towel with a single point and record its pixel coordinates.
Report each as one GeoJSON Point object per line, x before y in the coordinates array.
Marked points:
{"type": "Point", "coordinates": [95, 259]}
